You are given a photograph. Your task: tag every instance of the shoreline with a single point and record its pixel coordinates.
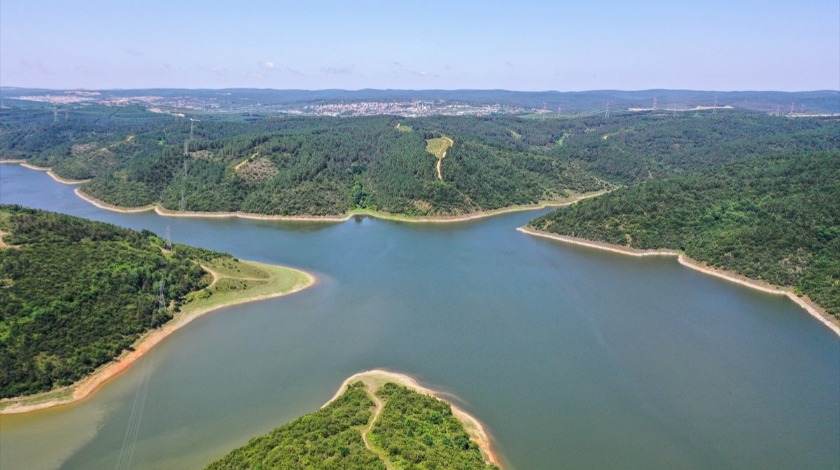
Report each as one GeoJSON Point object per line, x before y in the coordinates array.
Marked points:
{"type": "Point", "coordinates": [337, 218]}
{"type": "Point", "coordinates": [85, 387]}
{"type": "Point", "coordinates": [375, 378]}
{"type": "Point", "coordinates": [110, 207]}
{"type": "Point", "coordinates": [805, 303]}
{"type": "Point", "coordinates": [46, 169]}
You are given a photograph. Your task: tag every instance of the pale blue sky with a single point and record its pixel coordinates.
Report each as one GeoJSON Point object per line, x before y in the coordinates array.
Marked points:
{"type": "Point", "coordinates": [523, 45]}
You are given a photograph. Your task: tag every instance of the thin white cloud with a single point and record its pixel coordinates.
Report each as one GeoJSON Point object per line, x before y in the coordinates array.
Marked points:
{"type": "Point", "coordinates": [338, 70]}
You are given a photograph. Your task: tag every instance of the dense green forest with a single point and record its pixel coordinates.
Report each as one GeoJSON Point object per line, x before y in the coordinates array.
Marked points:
{"type": "Point", "coordinates": [75, 293]}
{"type": "Point", "coordinates": [292, 165]}
{"type": "Point", "coordinates": [772, 218]}
{"type": "Point", "coordinates": [419, 431]}
{"type": "Point", "coordinates": [413, 431]}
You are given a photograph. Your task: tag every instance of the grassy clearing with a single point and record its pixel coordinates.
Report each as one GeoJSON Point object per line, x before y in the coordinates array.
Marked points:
{"type": "Point", "coordinates": [438, 146]}
{"type": "Point", "coordinates": [403, 128]}
{"type": "Point", "coordinates": [230, 267]}
{"type": "Point", "coordinates": [239, 281]}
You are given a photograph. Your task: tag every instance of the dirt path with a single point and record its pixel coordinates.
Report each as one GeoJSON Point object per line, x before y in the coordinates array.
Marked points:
{"type": "Point", "coordinates": [243, 162]}
{"type": "Point", "coordinates": [379, 405]}
{"type": "Point", "coordinates": [217, 277]}
{"type": "Point", "coordinates": [2, 243]}
{"type": "Point", "coordinates": [440, 160]}
{"type": "Point", "coordinates": [373, 379]}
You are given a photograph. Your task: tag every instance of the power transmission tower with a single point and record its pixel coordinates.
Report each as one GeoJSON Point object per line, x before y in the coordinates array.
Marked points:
{"type": "Point", "coordinates": [607, 112]}
{"type": "Point", "coordinates": [654, 103]}
{"type": "Point", "coordinates": [168, 241]}
{"type": "Point", "coordinates": [714, 109]}
{"type": "Point", "coordinates": [55, 114]}
{"type": "Point", "coordinates": [183, 204]}
{"type": "Point", "coordinates": [161, 297]}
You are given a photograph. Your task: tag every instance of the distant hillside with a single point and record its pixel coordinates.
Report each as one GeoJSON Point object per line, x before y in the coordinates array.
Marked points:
{"type": "Point", "coordinates": [329, 166]}
{"type": "Point", "coordinates": [821, 101]}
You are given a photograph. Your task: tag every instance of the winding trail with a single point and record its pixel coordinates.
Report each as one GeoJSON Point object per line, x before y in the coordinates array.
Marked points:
{"type": "Point", "coordinates": [440, 160]}
{"type": "Point", "coordinates": [377, 411]}
{"type": "Point", "coordinates": [217, 277]}
{"type": "Point", "coordinates": [373, 379]}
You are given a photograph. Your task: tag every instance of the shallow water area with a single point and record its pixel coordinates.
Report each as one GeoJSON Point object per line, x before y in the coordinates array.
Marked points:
{"type": "Point", "coordinates": [568, 355]}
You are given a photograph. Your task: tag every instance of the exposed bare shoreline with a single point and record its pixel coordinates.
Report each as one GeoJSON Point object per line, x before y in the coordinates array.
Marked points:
{"type": "Point", "coordinates": [85, 387]}
{"type": "Point", "coordinates": [377, 377]}
{"type": "Point", "coordinates": [334, 218]}
{"type": "Point", "coordinates": [48, 170]}
{"type": "Point", "coordinates": [812, 308]}
{"type": "Point", "coordinates": [306, 218]}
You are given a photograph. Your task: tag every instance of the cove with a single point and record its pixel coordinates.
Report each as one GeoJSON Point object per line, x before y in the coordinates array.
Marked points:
{"type": "Point", "coordinates": [571, 357]}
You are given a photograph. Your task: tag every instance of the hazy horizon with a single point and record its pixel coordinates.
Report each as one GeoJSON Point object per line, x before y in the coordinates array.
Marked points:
{"type": "Point", "coordinates": [471, 45]}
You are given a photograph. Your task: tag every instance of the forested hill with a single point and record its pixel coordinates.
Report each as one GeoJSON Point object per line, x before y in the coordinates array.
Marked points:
{"type": "Point", "coordinates": [326, 166]}
{"type": "Point", "coordinates": [75, 293]}
{"type": "Point", "coordinates": [409, 430]}
{"type": "Point", "coordinates": [771, 218]}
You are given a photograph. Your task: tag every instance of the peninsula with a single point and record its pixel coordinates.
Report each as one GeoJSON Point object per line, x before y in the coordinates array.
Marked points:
{"type": "Point", "coordinates": [376, 420]}
{"type": "Point", "coordinates": [97, 297]}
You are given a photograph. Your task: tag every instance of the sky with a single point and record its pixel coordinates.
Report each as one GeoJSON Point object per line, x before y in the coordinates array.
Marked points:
{"type": "Point", "coordinates": [471, 44]}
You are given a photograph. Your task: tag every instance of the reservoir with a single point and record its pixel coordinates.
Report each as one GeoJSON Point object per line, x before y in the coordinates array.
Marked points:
{"type": "Point", "coordinates": [571, 357]}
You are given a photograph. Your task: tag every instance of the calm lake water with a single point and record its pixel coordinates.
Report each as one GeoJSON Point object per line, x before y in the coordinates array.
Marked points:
{"type": "Point", "coordinates": [572, 357]}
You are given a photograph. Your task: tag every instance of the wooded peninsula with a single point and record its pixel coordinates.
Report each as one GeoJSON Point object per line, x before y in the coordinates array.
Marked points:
{"type": "Point", "coordinates": [378, 420]}
{"type": "Point", "coordinates": [77, 294]}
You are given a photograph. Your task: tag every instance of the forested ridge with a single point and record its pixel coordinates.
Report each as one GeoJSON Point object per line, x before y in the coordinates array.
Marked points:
{"type": "Point", "coordinates": [775, 219]}
{"type": "Point", "coordinates": [75, 293]}
{"type": "Point", "coordinates": [294, 165]}
{"type": "Point", "coordinates": [413, 431]}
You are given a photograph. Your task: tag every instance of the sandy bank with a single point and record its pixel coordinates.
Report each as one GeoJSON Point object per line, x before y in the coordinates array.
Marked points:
{"type": "Point", "coordinates": [88, 385]}
{"type": "Point", "coordinates": [373, 379]}
{"type": "Point", "coordinates": [48, 170]}
{"type": "Point", "coordinates": [110, 207]}
{"type": "Point", "coordinates": [343, 218]}
{"type": "Point", "coordinates": [309, 218]}
{"type": "Point", "coordinates": [812, 308]}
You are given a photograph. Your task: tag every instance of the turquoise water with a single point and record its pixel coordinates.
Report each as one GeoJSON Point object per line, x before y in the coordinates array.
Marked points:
{"type": "Point", "coordinates": [571, 357]}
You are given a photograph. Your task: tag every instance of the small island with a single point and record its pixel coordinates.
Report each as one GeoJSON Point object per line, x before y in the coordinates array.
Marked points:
{"type": "Point", "coordinates": [80, 301]}
{"type": "Point", "coordinates": [377, 420]}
